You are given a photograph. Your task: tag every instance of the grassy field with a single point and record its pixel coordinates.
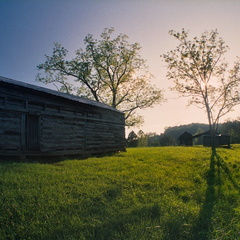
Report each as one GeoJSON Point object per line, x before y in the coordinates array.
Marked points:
{"type": "Point", "coordinates": [145, 193]}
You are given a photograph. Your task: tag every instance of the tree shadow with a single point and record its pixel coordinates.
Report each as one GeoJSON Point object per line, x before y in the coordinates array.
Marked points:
{"type": "Point", "coordinates": [221, 164]}
{"type": "Point", "coordinates": [203, 227]}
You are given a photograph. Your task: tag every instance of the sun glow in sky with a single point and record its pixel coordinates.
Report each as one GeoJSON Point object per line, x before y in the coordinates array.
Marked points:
{"type": "Point", "coordinates": [28, 29]}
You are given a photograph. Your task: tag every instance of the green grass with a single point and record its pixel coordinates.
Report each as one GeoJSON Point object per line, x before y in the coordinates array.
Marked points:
{"type": "Point", "coordinates": [142, 194]}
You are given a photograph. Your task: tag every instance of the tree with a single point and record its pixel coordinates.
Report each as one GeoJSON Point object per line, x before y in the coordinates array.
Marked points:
{"type": "Point", "coordinates": [142, 139]}
{"type": "Point", "coordinates": [109, 70]}
{"type": "Point", "coordinates": [153, 139]}
{"type": "Point", "coordinates": [231, 128]}
{"type": "Point", "coordinates": [201, 73]}
{"type": "Point", "coordinates": [165, 140]}
{"type": "Point", "coordinates": [132, 139]}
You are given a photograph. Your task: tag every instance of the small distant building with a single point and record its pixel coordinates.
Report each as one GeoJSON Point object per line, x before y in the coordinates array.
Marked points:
{"type": "Point", "coordinates": [36, 121]}
{"type": "Point", "coordinates": [220, 140]}
{"type": "Point", "coordinates": [185, 139]}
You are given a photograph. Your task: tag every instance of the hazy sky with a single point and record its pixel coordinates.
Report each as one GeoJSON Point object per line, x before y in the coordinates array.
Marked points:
{"type": "Point", "coordinates": [28, 29]}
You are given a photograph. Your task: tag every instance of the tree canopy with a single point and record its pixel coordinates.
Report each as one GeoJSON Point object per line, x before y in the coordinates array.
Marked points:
{"type": "Point", "coordinates": [200, 72]}
{"type": "Point", "coordinates": [109, 70]}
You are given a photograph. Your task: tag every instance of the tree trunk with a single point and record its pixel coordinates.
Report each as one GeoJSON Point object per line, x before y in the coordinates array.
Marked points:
{"type": "Point", "coordinates": [212, 129]}
{"type": "Point", "coordinates": [213, 139]}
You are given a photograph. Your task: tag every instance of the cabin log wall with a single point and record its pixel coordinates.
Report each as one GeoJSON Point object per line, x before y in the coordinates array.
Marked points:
{"type": "Point", "coordinates": [65, 127]}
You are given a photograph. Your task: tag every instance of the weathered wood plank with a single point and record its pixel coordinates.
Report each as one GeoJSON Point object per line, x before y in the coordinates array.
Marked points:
{"type": "Point", "coordinates": [65, 126]}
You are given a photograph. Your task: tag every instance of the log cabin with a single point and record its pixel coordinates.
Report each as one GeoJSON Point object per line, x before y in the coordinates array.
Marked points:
{"type": "Point", "coordinates": [36, 121]}
{"type": "Point", "coordinates": [220, 139]}
{"type": "Point", "coordinates": [185, 139]}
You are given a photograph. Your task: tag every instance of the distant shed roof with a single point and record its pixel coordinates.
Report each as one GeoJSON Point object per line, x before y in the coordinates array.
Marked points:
{"type": "Point", "coordinates": [185, 135]}
{"type": "Point", "coordinates": [207, 133]}
{"type": "Point", "coordinates": [56, 93]}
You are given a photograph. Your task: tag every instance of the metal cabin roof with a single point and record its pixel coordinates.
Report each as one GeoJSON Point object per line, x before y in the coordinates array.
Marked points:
{"type": "Point", "coordinates": [56, 93]}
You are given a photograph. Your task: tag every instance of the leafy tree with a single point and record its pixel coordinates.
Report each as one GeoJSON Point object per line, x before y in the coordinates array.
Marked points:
{"type": "Point", "coordinates": [231, 128]}
{"type": "Point", "coordinates": [109, 70]}
{"type": "Point", "coordinates": [165, 140]}
{"type": "Point", "coordinates": [132, 139]}
{"type": "Point", "coordinates": [201, 73]}
{"type": "Point", "coordinates": [142, 139]}
{"type": "Point", "coordinates": [153, 139]}
{"type": "Point", "coordinates": [132, 136]}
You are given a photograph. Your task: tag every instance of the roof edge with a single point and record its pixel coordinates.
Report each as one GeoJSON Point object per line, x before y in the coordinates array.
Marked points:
{"type": "Point", "coordinates": [57, 93]}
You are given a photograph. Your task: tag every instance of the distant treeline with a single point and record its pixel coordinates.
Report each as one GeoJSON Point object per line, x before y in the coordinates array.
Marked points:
{"type": "Point", "coordinates": [171, 134]}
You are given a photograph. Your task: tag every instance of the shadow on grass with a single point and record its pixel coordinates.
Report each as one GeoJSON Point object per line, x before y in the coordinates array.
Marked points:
{"type": "Point", "coordinates": [203, 227]}
{"type": "Point", "coordinates": [51, 159]}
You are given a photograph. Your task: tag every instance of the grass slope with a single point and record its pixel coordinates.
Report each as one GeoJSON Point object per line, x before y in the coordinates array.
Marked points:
{"type": "Point", "coordinates": [145, 193]}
